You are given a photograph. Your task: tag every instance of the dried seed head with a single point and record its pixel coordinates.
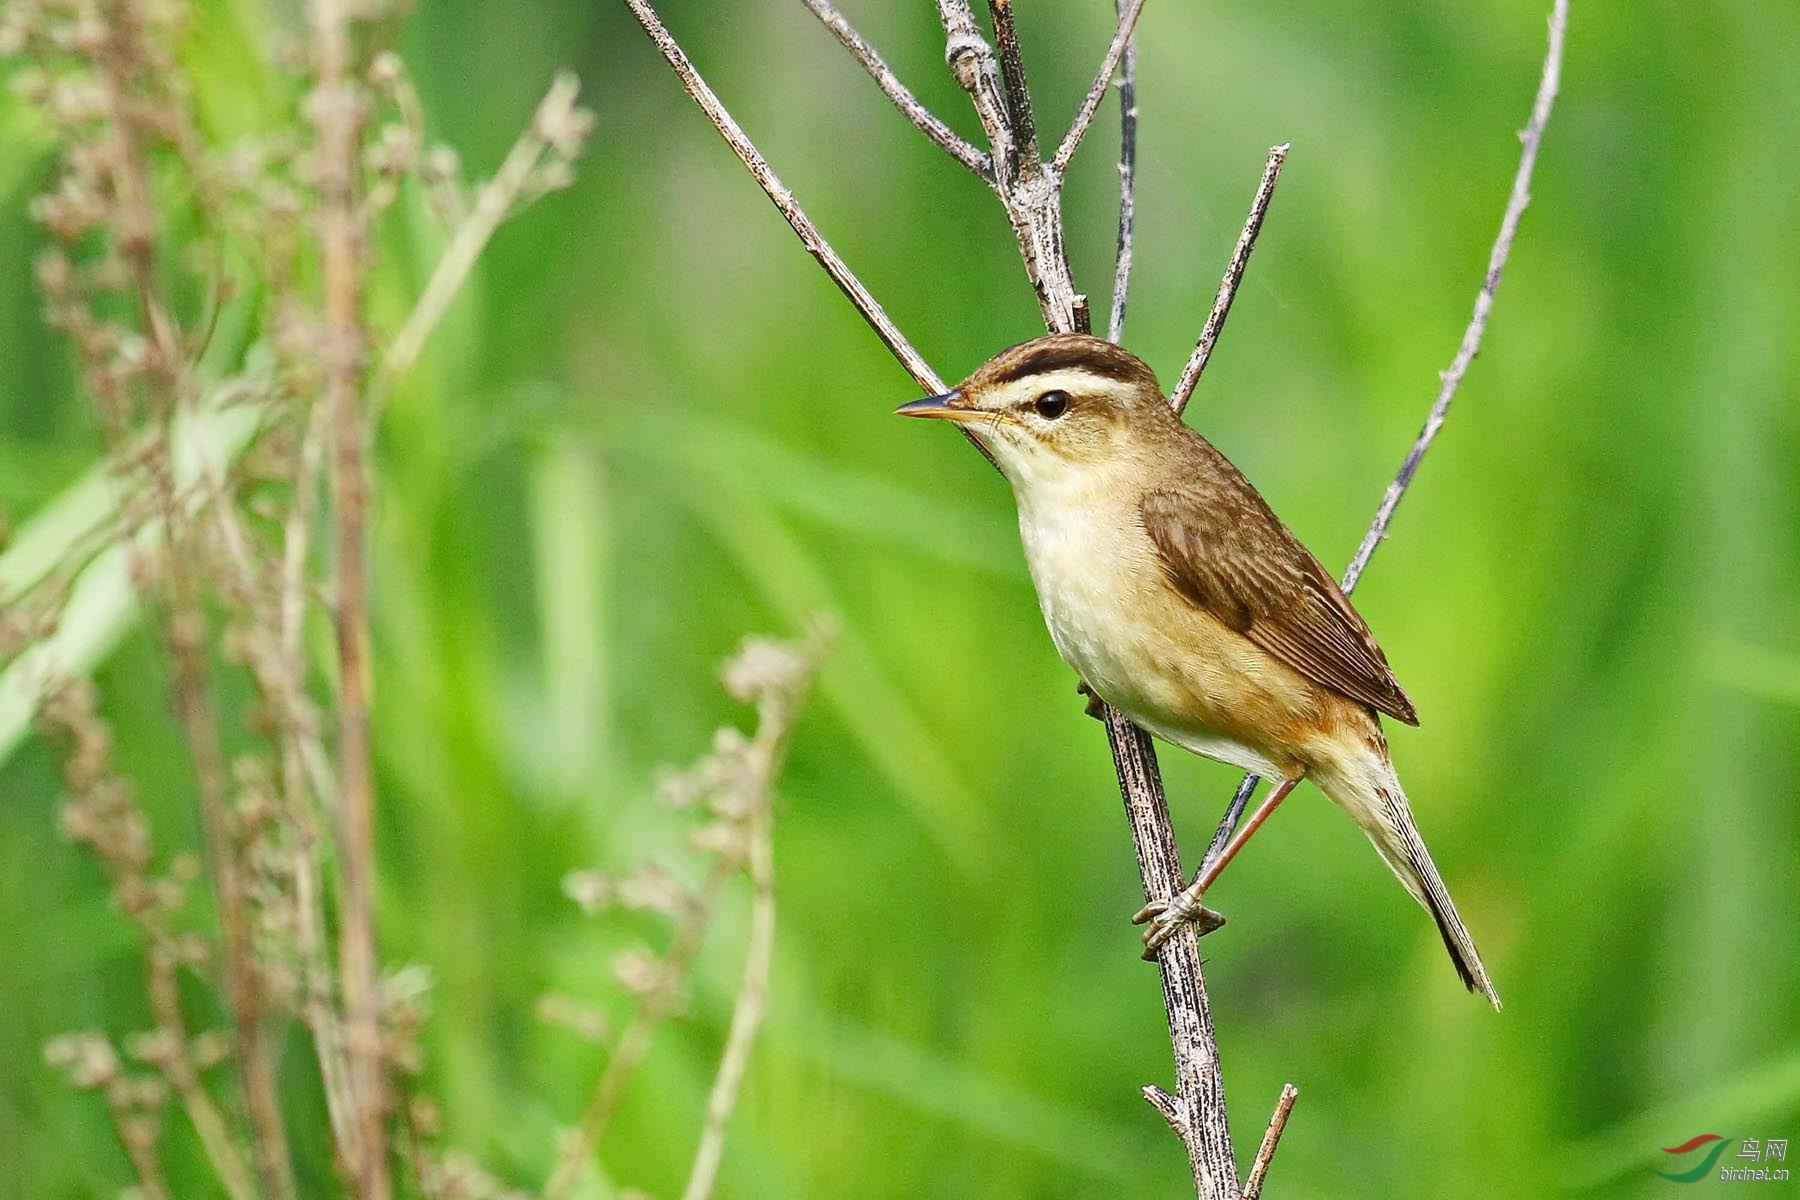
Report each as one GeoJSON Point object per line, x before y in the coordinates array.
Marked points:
{"type": "Point", "coordinates": [139, 1132]}
{"type": "Point", "coordinates": [728, 840]}
{"type": "Point", "coordinates": [426, 1117]}
{"type": "Point", "coordinates": [571, 1014]}
{"type": "Point", "coordinates": [209, 1049]}
{"type": "Point", "coordinates": [560, 122]}
{"type": "Point", "coordinates": [640, 972]}
{"type": "Point", "coordinates": [764, 667]}
{"type": "Point", "coordinates": [86, 1057]}
{"type": "Point", "coordinates": [386, 69]}
{"type": "Point", "coordinates": [653, 888]}
{"type": "Point", "coordinates": [154, 1047]}
{"type": "Point", "coordinates": [441, 165]}
{"type": "Point", "coordinates": [592, 891]}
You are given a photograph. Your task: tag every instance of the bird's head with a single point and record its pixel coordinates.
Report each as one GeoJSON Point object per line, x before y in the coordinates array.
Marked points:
{"type": "Point", "coordinates": [1055, 406]}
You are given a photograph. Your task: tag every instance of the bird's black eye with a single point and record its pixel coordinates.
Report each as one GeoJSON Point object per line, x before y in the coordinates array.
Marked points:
{"type": "Point", "coordinates": [1052, 405]}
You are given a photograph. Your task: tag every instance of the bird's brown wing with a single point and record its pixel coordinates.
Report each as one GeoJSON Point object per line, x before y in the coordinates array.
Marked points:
{"type": "Point", "coordinates": [1231, 556]}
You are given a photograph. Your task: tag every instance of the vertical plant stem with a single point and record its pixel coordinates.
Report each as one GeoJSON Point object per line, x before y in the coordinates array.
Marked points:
{"type": "Point", "coordinates": [302, 757]}
{"type": "Point", "coordinates": [1128, 122]}
{"type": "Point", "coordinates": [339, 116]}
{"type": "Point", "coordinates": [1018, 92]}
{"type": "Point", "coordinates": [243, 990]}
{"type": "Point", "coordinates": [581, 1143]}
{"type": "Point", "coordinates": [209, 1124]}
{"type": "Point", "coordinates": [186, 623]}
{"type": "Point", "coordinates": [747, 1014]}
{"type": "Point", "coordinates": [1196, 1112]}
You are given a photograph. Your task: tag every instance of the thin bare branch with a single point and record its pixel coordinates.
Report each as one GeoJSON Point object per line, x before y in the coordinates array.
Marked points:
{"type": "Point", "coordinates": [784, 201]}
{"type": "Point", "coordinates": [1033, 207]}
{"type": "Point", "coordinates": [1018, 92]}
{"type": "Point", "coordinates": [1197, 1111]}
{"type": "Point", "coordinates": [944, 137]}
{"type": "Point", "coordinates": [1234, 275]}
{"type": "Point", "coordinates": [972, 65]}
{"type": "Point", "coordinates": [1128, 119]}
{"type": "Point", "coordinates": [859, 296]}
{"type": "Point", "coordinates": [1109, 66]}
{"type": "Point", "coordinates": [493, 204]}
{"type": "Point", "coordinates": [301, 758]}
{"type": "Point", "coordinates": [1517, 199]}
{"type": "Point", "coordinates": [1265, 1153]}
{"type": "Point", "coordinates": [1452, 378]}
{"type": "Point", "coordinates": [1234, 812]}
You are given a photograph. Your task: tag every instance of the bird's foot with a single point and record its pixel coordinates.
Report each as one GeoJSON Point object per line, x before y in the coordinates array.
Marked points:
{"type": "Point", "coordinates": [1096, 707]}
{"type": "Point", "coordinates": [1166, 917]}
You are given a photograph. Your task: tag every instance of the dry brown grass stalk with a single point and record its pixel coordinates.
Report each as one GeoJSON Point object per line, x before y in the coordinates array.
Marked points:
{"type": "Point", "coordinates": [731, 792]}
{"type": "Point", "coordinates": [222, 548]}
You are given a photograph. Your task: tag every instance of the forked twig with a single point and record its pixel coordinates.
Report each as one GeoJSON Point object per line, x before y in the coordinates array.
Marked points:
{"type": "Point", "coordinates": [1030, 192]}
{"type": "Point", "coordinates": [1030, 195]}
{"type": "Point", "coordinates": [946, 138]}
{"type": "Point", "coordinates": [1234, 275]}
{"type": "Point", "coordinates": [1265, 1153]}
{"type": "Point", "coordinates": [738, 779]}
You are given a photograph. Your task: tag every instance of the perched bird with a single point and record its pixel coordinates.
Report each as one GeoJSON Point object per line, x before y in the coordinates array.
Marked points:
{"type": "Point", "coordinates": [1174, 590]}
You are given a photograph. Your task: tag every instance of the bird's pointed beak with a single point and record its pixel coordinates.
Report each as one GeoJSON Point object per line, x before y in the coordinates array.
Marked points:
{"type": "Point", "coordinates": [951, 406]}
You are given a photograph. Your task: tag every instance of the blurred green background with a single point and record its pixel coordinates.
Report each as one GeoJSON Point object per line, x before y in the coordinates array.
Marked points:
{"type": "Point", "coordinates": [651, 425]}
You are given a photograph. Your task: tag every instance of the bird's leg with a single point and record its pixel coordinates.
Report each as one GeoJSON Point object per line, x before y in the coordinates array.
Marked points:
{"type": "Point", "coordinates": [1166, 916]}
{"type": "Point", "coordinates": [1096, 707]}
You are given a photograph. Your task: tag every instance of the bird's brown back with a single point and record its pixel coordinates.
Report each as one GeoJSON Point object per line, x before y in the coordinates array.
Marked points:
{"type": "Point", "coordinates": [1224, 549]}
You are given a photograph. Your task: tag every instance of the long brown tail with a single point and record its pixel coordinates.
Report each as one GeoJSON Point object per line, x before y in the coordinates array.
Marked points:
{"type": "Point", "coordinates": [1379, 805]}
